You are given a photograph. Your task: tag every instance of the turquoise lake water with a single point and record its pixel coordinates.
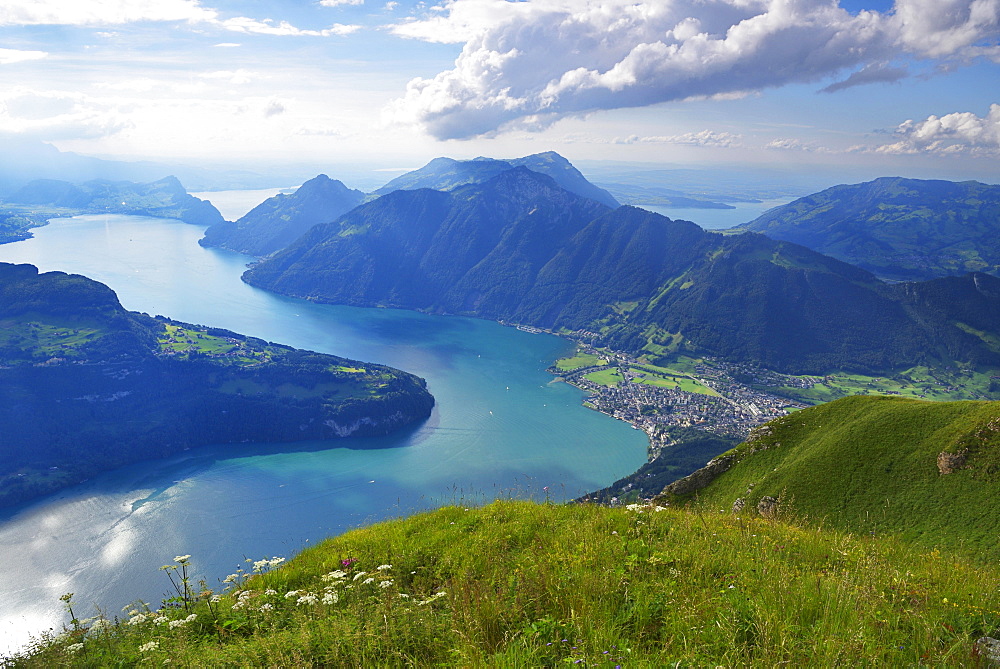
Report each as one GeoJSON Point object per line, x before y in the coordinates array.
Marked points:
{"type": "Point", "coordinates": [502, 426]}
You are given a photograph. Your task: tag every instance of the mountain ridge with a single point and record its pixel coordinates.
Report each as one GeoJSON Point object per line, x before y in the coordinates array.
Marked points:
{"type": "Point", "coordinates": [520, 248]}
{"type": "Point", "coordinates": [900, 229]}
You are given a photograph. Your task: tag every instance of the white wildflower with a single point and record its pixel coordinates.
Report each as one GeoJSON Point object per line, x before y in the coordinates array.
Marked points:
{"type": "Point", "coordinates": [99, 625]}
{"type": "Point", "coordinates": [137, 619]}
{"type": "Point", "coordinates": [182, 558]}
{"type": "Point", "coordinates": [146, 647]}
{"type": "Point", "coordinates": [292, 593]}
{"type": "Point", "coordinates": [307, 598]}
{"type": "Point", "coordinates": [383, 567]}
{"type": "Point", "coordinates": [334, 576]}
{"type": "Point", "coordinates": [359, 575]}
{"type": "Point", "coordinates": [267, 607]}
{"type": "Point", "coordinates": [159, 620]}
{"type": "Point", "coordinates": [215, 599]}
{"type": "Point", "coordinates": [403, 595]}
{"type": "Point", "coordinates": [368, 580]}
{"type": "Point", "coordinates": [275, 561]}
{"type": "Point", "coordinates": [330, 598]}
{"type": "Point", "coordinates": [191, 618]}
{"type": "Point", "coordinates": [436, 595]}
{"type": "Point", "coordinates": [385, 584]}
{"type": "Point", "coordinates": [269, 591]}
{"type": "Point", "coordinates": [174, 624]}
{"type": "Point", "coordinates": [74, 647]}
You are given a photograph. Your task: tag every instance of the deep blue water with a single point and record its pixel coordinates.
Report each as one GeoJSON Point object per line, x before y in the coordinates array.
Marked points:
{"type": "Point", "coordinates": [501, 427]}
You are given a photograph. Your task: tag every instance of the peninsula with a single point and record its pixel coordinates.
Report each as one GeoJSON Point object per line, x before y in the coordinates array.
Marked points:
{"type": "Point", "coordinates": [87, 386]}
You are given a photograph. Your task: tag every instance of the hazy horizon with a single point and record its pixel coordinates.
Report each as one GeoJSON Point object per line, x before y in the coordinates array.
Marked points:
{"type": "Point", "coordinates": [864, 87]}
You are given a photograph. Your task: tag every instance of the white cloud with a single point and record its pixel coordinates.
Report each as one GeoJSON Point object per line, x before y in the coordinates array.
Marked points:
{"type": "Point", "coordinates": [943, 27]}
{"type": "Point", "coordinates": [105, 12]}
{"type": "Point", "coordinates": [57, 115]}
{"type": "Point", "coordinates": [227, 45]}
{"type": "Point", "coordinates": [526, 64]}
{"type": "Point", "coordinates": [243, 24]}
{"type": "Point", "coordinates": [702, 138]}
{"type": "Point", "coordinates": [238, 77]}
{"type": "Point", "coordinates": [274, 107]}
{"type": "Point", "coordinates": [959, 132]}
{"type": "Point", "coordinates": [10, 56]}
{"type": "Point", "coordinates": [100, 12]}
{"type": "Point", "coordinates": [337, 3]}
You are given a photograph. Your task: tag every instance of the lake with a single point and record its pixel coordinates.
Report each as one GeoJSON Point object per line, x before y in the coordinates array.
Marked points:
{"type": "Point", "coordinates": [502, 426]}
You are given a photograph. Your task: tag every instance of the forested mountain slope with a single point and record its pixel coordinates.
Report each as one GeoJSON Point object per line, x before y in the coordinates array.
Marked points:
{"type": "Point", "coordinates": [280, 220]}
{"type": "Point", "coordinates": [520, 248]}
{"type": "Point", "coordinates": [899, 229]}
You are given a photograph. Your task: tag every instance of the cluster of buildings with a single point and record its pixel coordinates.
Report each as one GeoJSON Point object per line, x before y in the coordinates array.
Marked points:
{"type": "Point", "coordinates": [733, 411]}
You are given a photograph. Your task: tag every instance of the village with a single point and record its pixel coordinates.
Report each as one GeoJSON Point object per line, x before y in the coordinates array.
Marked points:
{"type": "Point", "coordinates": [653, 399]}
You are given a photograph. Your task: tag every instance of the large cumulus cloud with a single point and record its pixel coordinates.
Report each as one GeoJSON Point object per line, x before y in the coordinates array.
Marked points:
{"type": "Point", "coordinates": [526, 64]}
{"type": "Point", "coordinates": [955, 133]}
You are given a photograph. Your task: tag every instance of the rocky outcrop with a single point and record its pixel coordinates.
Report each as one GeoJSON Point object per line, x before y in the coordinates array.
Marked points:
{"type": "Point", "coordinates": [698, 480]}
{"type": "Point", "coordinates": [949, 463]}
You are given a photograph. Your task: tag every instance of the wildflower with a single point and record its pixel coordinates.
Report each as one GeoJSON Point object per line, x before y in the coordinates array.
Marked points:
{"type": "Point", "coordinates": [385, 584]}
{"type": "Point", "coordinates": [307, 598]}
{"type": "Point", "coordinates": [266, 607]}
{"type": "Point", "coordinates": [215, 599]}
{"type": "Point", "coordinates": [368, 580]}
{"type": "Point", "coordinates": [330, 598]}
{"type": "Point", "coordinates": [137, 619]}
{"type": "Point", "coordinates": [146, 647]}
{"type": "Point", "coordinates": [403, 595]}
{"type": "Point", "coordinates": [275, 561]}
{"type": "Point", "coordinates": [292, 593]}
{"type": "Point", "coordinates": [182, 558]}
{"type": "Point", "coordinates": [174, 624]}
{"type": "Point", "coordinates": [159, 620]}
{"type": "Point", "coordinates": [334, 576]}
{"type": "Point", "coordinates": [346, 564]}
{"type": "Point", "coordinates": [383, 567]}
{"type": "Point", "coordinates": [191, 618]}
{"type": "Point", "coordinates": [99, 625]}
{"type": "Point", "coordinates": [359, 575]}
{"type": "Point", "coordinates": [269, 591]}
{"type": "Point", "coordinates": [74, 647]}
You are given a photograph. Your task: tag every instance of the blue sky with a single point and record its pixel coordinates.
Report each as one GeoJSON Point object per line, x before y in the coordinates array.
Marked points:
{"type": "Point", "coordinates": [894, 87]}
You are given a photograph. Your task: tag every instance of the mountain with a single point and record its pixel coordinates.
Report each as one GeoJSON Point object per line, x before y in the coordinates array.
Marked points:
{"type": "Point", "coordinates": [280, 220]}
{"type": "Point", "coordinates": [899, 229]}
{"type": "Point", "coordinates": [448, 174]}
{"type": "Point", "coordinates": [86, 386]}
{"type": "Point", "coordinates": [520, 248]}
{"type": "Point", "coordinates": [928, 472]}
{"type": "Point", "coordinates": [165, 198]}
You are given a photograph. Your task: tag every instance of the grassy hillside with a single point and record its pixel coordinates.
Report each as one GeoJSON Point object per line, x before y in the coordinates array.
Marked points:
{"type": "Point", "coordinates": [870, 465]}
{"type": "Point", "coordinates": [521, 584]}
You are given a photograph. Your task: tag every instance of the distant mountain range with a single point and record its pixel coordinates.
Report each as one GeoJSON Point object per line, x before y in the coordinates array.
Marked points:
{"type": "Point", "coordinates": [86, 386]}
{"type": "Point", "coordinates": [521, 248]}
{"type": "Point", "coordinates": [165, 198]}
{"type": "Point", "coordinates": [899, 229]}
{"type": "Point", "coordinates": [447, 174]}
{"type": "Point", "coordinates": [280, 220]}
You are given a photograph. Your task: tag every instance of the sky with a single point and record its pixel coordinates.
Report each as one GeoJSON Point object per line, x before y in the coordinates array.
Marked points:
{"type": "Point", "coordinates": [891, 87]}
